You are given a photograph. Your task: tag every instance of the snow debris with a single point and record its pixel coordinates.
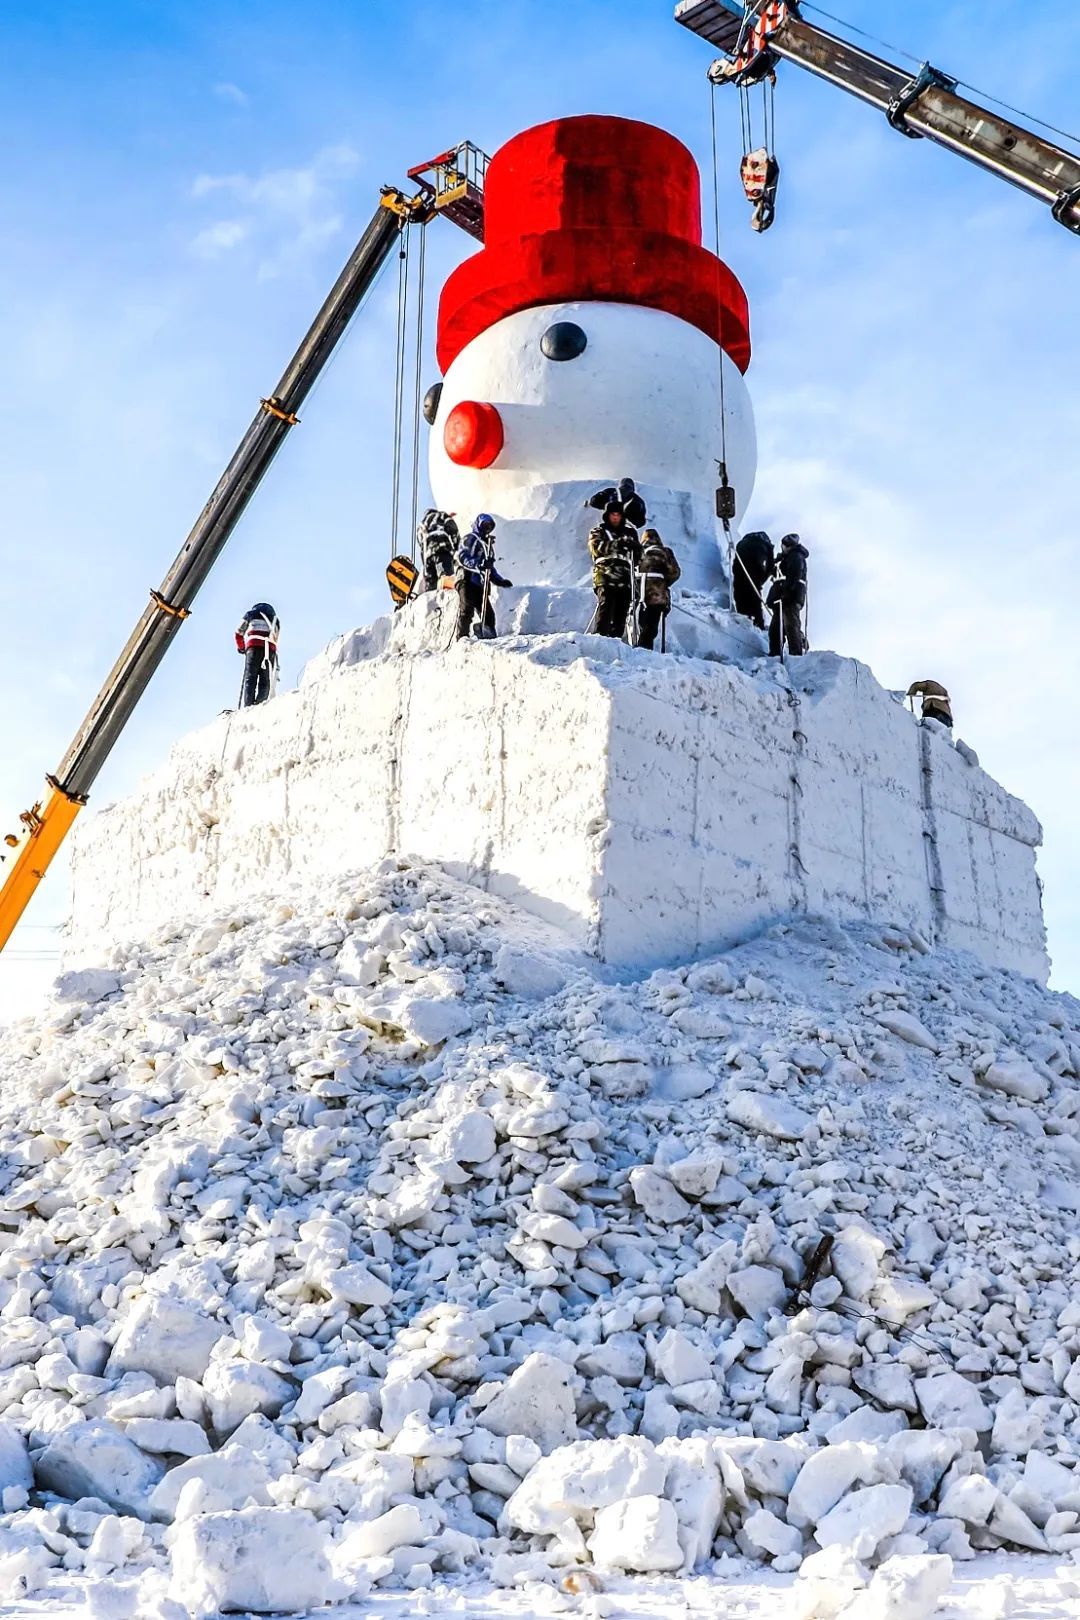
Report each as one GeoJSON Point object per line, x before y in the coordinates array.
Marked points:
{"type": "Point", "coordinates": [268, 1559]}
{"type": "Point", "coordinates": [371, 1239]}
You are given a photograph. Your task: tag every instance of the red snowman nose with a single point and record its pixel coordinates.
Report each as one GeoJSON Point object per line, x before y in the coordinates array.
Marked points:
{"type": "Point", "coordinates": [473, 434]}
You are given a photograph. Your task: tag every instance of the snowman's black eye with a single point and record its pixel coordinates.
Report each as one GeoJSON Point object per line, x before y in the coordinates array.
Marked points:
{"type": "Point", "coordinates": [431, 403]}
{"type": "Point", "coordinates": [563, 341]}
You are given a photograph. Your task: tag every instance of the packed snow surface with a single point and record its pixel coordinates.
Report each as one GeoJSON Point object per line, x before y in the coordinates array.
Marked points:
{"type": "Point", "coordinates": [344, 1255]}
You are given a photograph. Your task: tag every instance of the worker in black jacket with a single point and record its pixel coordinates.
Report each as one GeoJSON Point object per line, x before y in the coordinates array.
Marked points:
{"type": "Point", "coordinates": [755, 563]}
{"type": "Point", "coordinates": [628, 498]}
{"type": "Point", "coordinates": [257, 637]}
{"type": "Point", "coordinates": [787, 598]}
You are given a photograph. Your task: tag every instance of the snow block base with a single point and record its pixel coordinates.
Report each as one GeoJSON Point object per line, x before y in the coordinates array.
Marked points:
{"type": "Point", "coordinates": [654, 808]}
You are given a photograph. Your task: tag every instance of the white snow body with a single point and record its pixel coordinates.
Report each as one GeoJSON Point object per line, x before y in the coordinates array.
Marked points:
{"type": "Point", "coordinates": [641, 401]}
{"type": "Point", "coordinates": [653, 808]}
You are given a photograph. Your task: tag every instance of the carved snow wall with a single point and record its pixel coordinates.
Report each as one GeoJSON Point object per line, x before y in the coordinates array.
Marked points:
{"type": "Point", "coordinates": [656, 809]}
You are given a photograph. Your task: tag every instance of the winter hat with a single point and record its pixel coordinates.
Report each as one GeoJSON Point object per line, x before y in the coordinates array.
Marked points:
{"type": "Point", "coordinates": [613, 506]}
{"type": "Point", "coordinates": [593, 209]}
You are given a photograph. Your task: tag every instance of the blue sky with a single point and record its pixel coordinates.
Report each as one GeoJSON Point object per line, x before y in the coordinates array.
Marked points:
{"type": "Point", "coordinates": [181, 183]}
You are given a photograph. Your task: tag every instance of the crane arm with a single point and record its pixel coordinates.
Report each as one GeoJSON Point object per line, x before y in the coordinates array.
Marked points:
{"type": "Point", "coordinates": [46, 825]}
{"type": "Point", "coordinates": [923, 104]}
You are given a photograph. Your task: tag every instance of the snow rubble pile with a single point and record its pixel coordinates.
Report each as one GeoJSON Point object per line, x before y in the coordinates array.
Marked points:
{"type": "Point", "coordinates": [374, 1239]}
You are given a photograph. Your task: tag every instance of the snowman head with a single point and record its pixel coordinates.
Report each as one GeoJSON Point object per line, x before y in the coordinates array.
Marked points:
{"type": "Point", "coordinates": [584, 345]}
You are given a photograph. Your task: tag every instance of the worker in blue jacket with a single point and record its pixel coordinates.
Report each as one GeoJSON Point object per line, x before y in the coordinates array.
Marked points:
{"type": "Point", "coordinates": [476, 573]}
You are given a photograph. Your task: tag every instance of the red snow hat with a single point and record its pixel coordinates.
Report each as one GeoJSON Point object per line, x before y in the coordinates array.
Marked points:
{"type": "Point", "coordinates": [593, 208]}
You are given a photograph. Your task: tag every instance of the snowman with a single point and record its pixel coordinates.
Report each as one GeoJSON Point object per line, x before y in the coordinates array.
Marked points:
{"type": "Point", "coordinates": [585, 343]}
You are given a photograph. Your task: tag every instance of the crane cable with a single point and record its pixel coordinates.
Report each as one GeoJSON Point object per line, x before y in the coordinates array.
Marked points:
{"type": "Point", "coordinates": [399, 385]}
{"type": "Point", "coordinates": [418, 372]}
{"type": "Point", "coordinates": [724, 482]}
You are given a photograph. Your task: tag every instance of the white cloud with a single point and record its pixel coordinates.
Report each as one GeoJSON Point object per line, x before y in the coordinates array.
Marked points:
{"type": "Point", "coordinates": [217, 239]}
{"type": "Point", "coordinates": [233, 93]}
{"type": "Point", "coordinates": [286, 215]}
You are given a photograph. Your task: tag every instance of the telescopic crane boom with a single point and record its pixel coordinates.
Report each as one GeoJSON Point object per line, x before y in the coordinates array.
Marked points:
{"type": "Point", "coordinates": [456, 186]}
{"type": "Point", "coordinates": [754, 37]}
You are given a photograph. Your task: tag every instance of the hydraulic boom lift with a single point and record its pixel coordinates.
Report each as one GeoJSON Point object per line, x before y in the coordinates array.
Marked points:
{"type": "Point", "coordinates": [754, 37]}
{"type": "Point", "coordinates": [457, 187]}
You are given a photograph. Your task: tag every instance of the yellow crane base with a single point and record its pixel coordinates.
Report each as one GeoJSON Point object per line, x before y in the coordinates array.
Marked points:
{"type": "Point", "coordinates": [27, 858]}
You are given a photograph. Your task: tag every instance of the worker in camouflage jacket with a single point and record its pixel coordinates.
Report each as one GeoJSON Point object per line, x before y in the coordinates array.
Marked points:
{"type": "Point", "coordinates": [438, 536]}
{"type": "Point", "coordinates": [658, 571]}
{"type": "Point", "coordinates": [935, 701]}
{"type": "Point", "coordinates": [616, 552]}
{"type": "Point", "coordinates": [787, 599]}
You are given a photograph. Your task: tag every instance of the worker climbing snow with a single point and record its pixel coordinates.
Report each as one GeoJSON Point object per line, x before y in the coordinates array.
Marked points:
{"type": "Point", "coordinates": [658, 571]}
{"type": "Point", "coordinates": [754, 566]}
{"type": "Point", "coordinates": [257, 637]}
{"type": "Point", "coordinates": [787, 598]}
{"type": "Point", "coordinates": [626, 494]}
{"type": "Point", "coordinates": [935, 701]}
{"type": "Point", "coordinates": [616, 552]}
{"type": "Point", "coordinates": [438, 537]}
{"type": "Point", "coordinates": [476, 574]}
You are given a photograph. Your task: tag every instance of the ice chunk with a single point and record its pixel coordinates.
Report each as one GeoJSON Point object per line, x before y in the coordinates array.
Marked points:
{"type": "Point", "coordinates": [904, 1588]}
{"type": "Point", "coordinates": [826, 1476]}
{"type": "Point", "coordinates": [269, 1560]}
{"type": "Point", "coordinates": [536, 1402]}
{"type": "Point", "coordinates": [576, 1480]}
{"type": "Point", "coordinates": [908, 1028]}
{"type": "Point", "coordinates": [161, 1336]}
{"type": "Point", "coordinates": [235, 1389]}
{"type": "Point", "coordinates": [863, 1520]}
{"type": "Point", "coordinates": [95, 1459]}
{"type": "Point", "coordinates": [1016, 1078]}
{"type": "Point", "coordinates": [768, 1115]}
{"type": "Point", "coordinates": [758, 1291]}
{"type": "Point", "coordinates": [763, 1529]}
{"type": "Point", "coordinates": [641, 1534]}
{"type": "Point", "coordinates": [166, 1436]}
{"type": "Point", "coordinates": [657, 1196]}
{"type": "Point", "coordinates": [679, 1361]}
{"type": "Point", "coordinates": [948, 1401]}
{"type": "Point", "coordinates": [523, 973]}
{"type": "Point", "coordinates": [357, 1286]}
{"type": "Point", "coordinates": [400, 1526]}
{"type": "Point", "coordinates": [229, 1478]}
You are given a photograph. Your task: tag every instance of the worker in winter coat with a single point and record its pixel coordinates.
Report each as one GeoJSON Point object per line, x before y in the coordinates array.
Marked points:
{"type": "Point", "coordinates": [625, 492]}
{"type": "Point", "coordinates": [439, 537]}
{"type": "Point", "coordinates": [658, 571]}
{"type": "Point", "coordinates": [787, 598]}
{"type": "Point", "coordinates": [755, 563]}
{"type": "Point", "coordinates": [476, 573]}
{"type": "Point", "coordinates": [616, 552]}
{"type": "Point", "coordinates": [935, 701]}
{"type": "Point", "coordinates": [257, 637]}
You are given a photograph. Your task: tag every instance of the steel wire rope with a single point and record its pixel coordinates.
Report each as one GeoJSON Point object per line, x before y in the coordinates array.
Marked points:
{"type": "Point", "coordinates": [720, 313]}
{"type": "Point", "coordinates": [874, 39]}
{"type": "Point", "coordinates": [399, 384]}
{"type": "Point", "coordinates": [417, 375]}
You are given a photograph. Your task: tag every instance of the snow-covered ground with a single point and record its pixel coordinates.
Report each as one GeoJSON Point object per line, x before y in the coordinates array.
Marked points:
{"type": "Point", "coordinates": [360, 1244]}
